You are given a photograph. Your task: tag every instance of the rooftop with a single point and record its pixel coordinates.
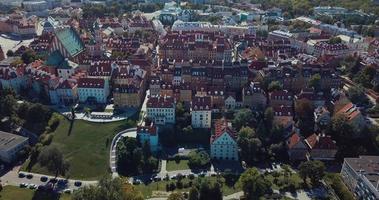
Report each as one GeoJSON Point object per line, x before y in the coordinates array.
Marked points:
{"type": "Point", "coordinates": [9, 140]}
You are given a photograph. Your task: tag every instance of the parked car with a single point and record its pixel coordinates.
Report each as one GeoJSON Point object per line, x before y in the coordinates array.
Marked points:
{"type": "Point", "coordinates": [29, 176]}
{"type": "Point", "coordinates": [62, 181]}
{"type": "Point", "coordinates": [77, 183]}
{"type": "Point", "coordinates": [41, 187]}
{"type": "Point", "coordinates": [21, 175]}
{"type": "Point", "coordinates": [136, 182]}
{"type": "Point", "coordinates": [44, 178]}
{"type": "Point", "coordinates": [67, 191]}
{"type": "Point", "coordinates": [23, 185]}
{"type": "Point", "coordinates": [53, 180]}
{"type": "Point", "coordinates": [32, 186]}
{"type": "Point", "coordinates": [157, 178]}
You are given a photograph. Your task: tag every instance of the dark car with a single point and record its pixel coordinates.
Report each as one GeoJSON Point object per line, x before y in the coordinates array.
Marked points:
{"type": "Point", "coordinates": [53, 180]}
{"type": "Point", "coordinates": [77, 183]}
{"type": "Point", "coordinates": [21, 175]}
{"type": "Point", "coordinates": [44, 178]}
{"type": "Point", "coordinates": [62, 182]}
{"type": "Point", "coordinates": [29, 176]}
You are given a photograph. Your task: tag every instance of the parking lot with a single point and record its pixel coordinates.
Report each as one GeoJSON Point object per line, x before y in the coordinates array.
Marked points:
{"type": "Point", "coordinates": [34, 181]}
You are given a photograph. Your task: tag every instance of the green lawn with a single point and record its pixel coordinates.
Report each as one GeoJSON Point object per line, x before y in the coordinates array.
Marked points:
{"type": "Point", "coordinates": [172, 165]}
{"type": "Point", "coordinates": [147, 190]}
{"type": "Point", "coordinates": [16, 193]}
{"type": "Point", "coordinates": [86, 147]}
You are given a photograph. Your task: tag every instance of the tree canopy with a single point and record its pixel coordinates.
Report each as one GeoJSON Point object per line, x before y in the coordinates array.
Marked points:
{"type": "Point", "coordinates": [254, 185]}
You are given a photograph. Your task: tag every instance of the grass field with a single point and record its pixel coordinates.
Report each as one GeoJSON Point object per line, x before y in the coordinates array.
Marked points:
{"type": "Point", "coordinates": [172, 165]}
{"type": "Point", "coordinates": [147, 190]}
{"type": "Point", "coordinates": [16, 193]}
{"type": "Point", "coordinates": [86, 147]}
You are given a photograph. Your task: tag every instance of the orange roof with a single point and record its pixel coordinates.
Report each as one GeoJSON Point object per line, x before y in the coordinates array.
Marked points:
{"type": "Point", "coordinates": [293, 140]}
{"type": "Point", "coordinates": [350, 111]}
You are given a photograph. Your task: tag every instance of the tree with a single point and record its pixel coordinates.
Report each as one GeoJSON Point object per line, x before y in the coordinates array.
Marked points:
{"type": "Point", "coordinates": [193, 194]}
{"type": "Point", "coordinates": [274, 86]}
{"type": "Point", "coordinates": [176, 196]}
{"type": "Point", "coordinates": [243, 117]}
{"type": "Point", "coordinates": [10, 53]}
{"type": "Point", "coordinates": [341, 128]}
{"type": "Point", "coordinates": [304, 112]}
{"type": "Point", "coordinates": [52, 158]}
{"type": "Point", "coordinates": [254, 185]}
{"type": "Point", "coordinates": [198, 159]}
{"type": "Point", "coordinates": [269, 117]}
{"type": "Point", "coordinates": [28, 56]}
{"type": "Point", "coordinates": [357, 95]}
{"type": "Point", "coordinates": [108, 189]}
{"type": "Point", "coordinates": [314, 170]}
{"type": "Point", "coordinates": [249, 144]}
{"type": "Point", "coordinates": [335, 40]}
{"type": "Point", "coordinates": [315, 82]}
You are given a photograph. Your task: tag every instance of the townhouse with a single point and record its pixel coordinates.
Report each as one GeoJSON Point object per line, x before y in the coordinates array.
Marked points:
{"type": "Point", "coordinates": [201, 112]}
{"type": "Point", "coordinates": [223, 142]}
{"type": "Point", "coordinates": [253, 96]}
{"type": "Point", "coordinates": [93, 90]}
{"type": "Point", "coordinates": [129, 86]}
{"type": "Point", "coordinates": [161, 109]}
{"type": "Point", "coordinates": [148, 134]}
{"type": "Point", "coordinates": [354, 116]}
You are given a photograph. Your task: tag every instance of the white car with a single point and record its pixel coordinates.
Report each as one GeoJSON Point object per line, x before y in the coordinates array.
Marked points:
{"type": "Point", "coordinates": [23, 185]}
{"type": "Point", "coordinates": [32, 186]}
{"type": "Point", "coordinates": [68, 191]}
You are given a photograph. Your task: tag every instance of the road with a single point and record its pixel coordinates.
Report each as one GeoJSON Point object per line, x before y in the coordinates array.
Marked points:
{"type": "Point", "coordinates": [12, 178]}
{"type": "Point", "coordinates": [132, 132]}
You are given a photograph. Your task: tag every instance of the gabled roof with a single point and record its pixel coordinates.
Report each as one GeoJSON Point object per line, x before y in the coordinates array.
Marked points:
{"type": "Point", "coordinates": [295, 141]}
{"type": "Point", "coordinates": [70, 40]}
{"type": "Point", "coordinates": [320, 142]}
{"type": "Point", "coordinates": [55, 59]}
{"type": "Point", "coordinates": [223, 126]}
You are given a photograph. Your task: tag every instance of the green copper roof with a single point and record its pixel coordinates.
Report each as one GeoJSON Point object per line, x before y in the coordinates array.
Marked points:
{"type": "Point", "coordinates": [55, 59]}
{"type": "Point", "coordinates": [70, 40]}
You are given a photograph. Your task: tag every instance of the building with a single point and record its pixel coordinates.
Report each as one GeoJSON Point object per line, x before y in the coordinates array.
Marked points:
{"type": "Point", "coordinates": [279, 98]}
{"type": "Point", "coordinates": [324, 49]}
{"type": "Point", "coordinates": [148, 133]}
{"type": "Point", "coordinates": [199, 46]}
{"type": "Point", "coordinates": [93, 90]}
{"type": "Point", "coordinates": [297, 149]}
{"type": "Point", "coordinates": [224, 141]}
{"type": "Point", "coordinates": [67, 92]}
{"type": "Point", "coordinates": [201, 112]}
{"type": "Point", "coordinates": [283, 116]}
{"type": "Point", "coordinates": [254, 96]}
{"type": "Point", "coordinates": [161, 109]}
{"type": "Point", "coordinates": [321, 116]}
{"type": "Point", "coordinates": [10, 145]}
{"type": "Point", "coordinates": [361, 176]}
{"type": "Point", "coordinates": [321, 147]}
{"type": "Point", "coordinates": [68, 42]}
{"type": "Point", "coordinates": [354, 117]}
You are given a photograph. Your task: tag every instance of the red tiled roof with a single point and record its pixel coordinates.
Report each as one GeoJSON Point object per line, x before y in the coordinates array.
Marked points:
{"type": "Point", "coordinates": [91, 83]}
{"type": "Point", "coordinates": [150, 129]}
{"type": "Point", "coordinates": [293, 140]}
{"type": "Point", "coordinates": [320, 142]}
{"type": "Point", "coordinates": [160, 102]}
{"type": "Point", "coordinates": [201, 103]}
{"type": "Point", "coordinates": [222, 126]}
{"type": "Point", "coordinates": [350, 111]}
